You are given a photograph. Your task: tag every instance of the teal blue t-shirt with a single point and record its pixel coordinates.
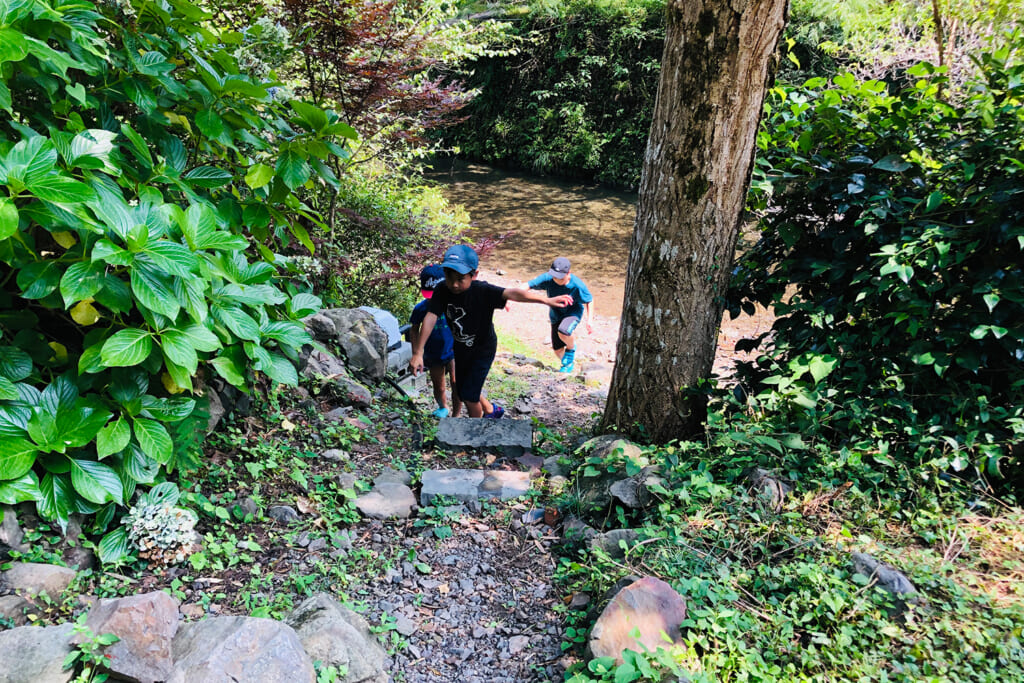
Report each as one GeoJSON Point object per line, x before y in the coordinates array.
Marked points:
{"type": "Point", "coordinates": [574, 288]}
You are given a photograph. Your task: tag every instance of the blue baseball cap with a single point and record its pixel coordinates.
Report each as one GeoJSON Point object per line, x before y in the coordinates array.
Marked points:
{"type": "Point", "coordinates": [430, 277]}
{"type": "Point", "coordinates": [461, 258]}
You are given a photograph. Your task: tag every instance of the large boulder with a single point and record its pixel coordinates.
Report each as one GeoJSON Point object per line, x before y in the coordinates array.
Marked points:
{"type": "Point", "coordinates": [650, 607]}
{"type": "Point", "coordinates": [359, 337]}
{"type": "Point", "coordinates": [33, 578]}
{"type": "Point", "coordinates": [598, 488]}
{"type": "Point", "coordinates": [10, 533]}
{"type": "Point", "coordinates": [889, 579]}
{"type": "Point", "coordinates": [30, 654]}
{"type": "Point", "coordinates": [232, 649]}
{"type": "Point", "coordinates": [387, 500]}
{"type": "Point", "coordinates": [146, 625]}
{"type": "Point", "coordinates": [339, 637]}
{"type": "Point", "coordinates": [512, 438]}
{"type": "Point", "coordinates": [17, 609]}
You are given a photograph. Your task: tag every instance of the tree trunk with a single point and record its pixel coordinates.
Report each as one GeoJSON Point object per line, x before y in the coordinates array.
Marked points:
{"type": "Point", "coordinates": [715, 70]}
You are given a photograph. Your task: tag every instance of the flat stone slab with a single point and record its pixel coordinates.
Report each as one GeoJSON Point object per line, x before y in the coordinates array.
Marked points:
{"type": "Point", "coordinates": [510, 437]}
{"type": "Point", "coordinates": [472, 485]}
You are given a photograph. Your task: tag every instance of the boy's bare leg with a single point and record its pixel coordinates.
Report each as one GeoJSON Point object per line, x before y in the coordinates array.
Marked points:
{"type": "Point", "coordinates": [437, 382]}
{"type": "Point", "coordinates": [474, 408]}
{"type": "Point", "coordinates": [456, 403]}
{"type": "Point", "coordinates": [486, 406]}
{"type": "Point", "coordinates": [570, 344]}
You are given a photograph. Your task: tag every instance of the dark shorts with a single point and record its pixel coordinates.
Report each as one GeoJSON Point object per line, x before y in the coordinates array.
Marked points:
{"type": "Point", "coordinates": [470, 372]}
{"type": "Point", "coordinates": [566, 326]}
{"type": "Point", "coordinates": [434, 361]}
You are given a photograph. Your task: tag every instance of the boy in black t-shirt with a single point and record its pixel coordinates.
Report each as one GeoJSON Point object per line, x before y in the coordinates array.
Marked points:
{"type": "Point", "coordinates": [469, 305]}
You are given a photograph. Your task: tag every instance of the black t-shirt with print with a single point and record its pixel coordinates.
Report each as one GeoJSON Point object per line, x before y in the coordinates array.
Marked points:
{"type": "Point", "coordinates": [470, 315]}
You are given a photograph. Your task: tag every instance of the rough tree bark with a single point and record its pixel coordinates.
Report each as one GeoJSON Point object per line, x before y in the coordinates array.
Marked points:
{"type": "Point", "coordinates": [715, 70]}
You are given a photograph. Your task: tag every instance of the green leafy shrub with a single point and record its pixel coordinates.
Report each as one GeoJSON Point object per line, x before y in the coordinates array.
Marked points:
{"type": "Point", "coordinates": [577, 99]}
{"type": "Point", "coordinates": [140, 171]}
{"type": "Point", "coordinates": [892, 237]}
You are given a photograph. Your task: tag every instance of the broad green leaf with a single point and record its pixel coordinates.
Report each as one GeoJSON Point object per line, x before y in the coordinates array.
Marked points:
{"type": "Point", "coordinates": [20, 490]}
{"type": "Point", "coordinates": [175, 378]}
{"type": "Point", "coordinates": [893, 163]}
{"type": "Point", "coordinates": [201, 338]}
{"type": "Point", "coordinates": [95, 143]}
{"type": "Point", "coordinates": [303, 304]}
{"type": "Point", "coordinates": [292, 168]}
{"type": "Point", "coordinates": [96, 482]}
{"type": "Point", "coordinates": [229, 370]}
{"type": "Point", "coordinates": [8, 392]}
{"type": "Point", "coordinates": [252, 295]}
{"type": "Point", "coordinates": [16, 457]}
{"type": "Point", "coordinates": [177, 345]}
{"type": "Point", "coordinates": [281, 370]}
{"type": "Point", "coordinates": [138, 147]}
{"type": "Point", "coordinates": [287, 333]}
{"type": "Point", "coordinates": [113, 438]}
{"type": "Point", "coordinates": [210, 123]}
{"type": "Point", "coordinates": [935, 200]}
{"type": "Point", "coordinates": [91, 362]}
{"type": "Point", "coordinates": [113, 548]}
{"type": "Point", "coordinates": [236, 320]}
{"type": "Point", "coordinates": [344, 130]}
{"type": "Point", "coordinates": [821, 366]}
{"type": "Point", "coordinates": [310, 114]}
{"type": "Point", "coordinates": [14, 420]}
{"type": "Point", "coordinates": [208, 177]}
{"type": "Point", "coordinates": [154, 439]}
{"type": "Point", "coordinates": [991, 299]}
{"type": "Point", "coordinates": [15, 364]}
{"type": "Point", "coordinates": [199, 222]}
{"type": "Point", "coordinates": [222, 240]}
{"type": "Point", "coordinates": [80, 281]}
{"type": "Point", "coordinates": [155, 291]}
{"type": "Point", "coordinates": [57, 499]}
{"type": "Point", "coordinates": [60, 394]}
{"type": "Point", "coordinates": [116, 294]}
{"type": "Point", "coordinates": [192, 291]}
{"type": "Point", "coordinates": [139, 466]}
{"type": "Point", "coordinates": [80, 425]}
{"type": "Point", "coordinates": [258, 176]}
{"type": "Point", "coordinates": [127, 347]}
{"type": "Point", "coordinates": [39, 279]}
{"type": "Point", "coordinates": [110, 253]}
{"type": "Point", "coordinates": [302, 235]}
{"type": "Point", "coordinates": [8, 218]}
{"type": "Point", "coordinates": [13, 46]}
{"type": "Point", "coordinates": [168, 409]}
{"type": "Point", "coordinates": [60, 190]}
{"type": "Point", "coordinates": [172, 257]}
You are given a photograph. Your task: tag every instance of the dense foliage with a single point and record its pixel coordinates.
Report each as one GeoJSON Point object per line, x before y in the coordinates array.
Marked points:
{"type": "Point", "coordinates": [140, 172]}
{"type": "Point", "coordinates": [576, 98]}
{"type": "Point", "coordinates": [892, 244]}
{"type": "Point", "coordinates": [771, 589]}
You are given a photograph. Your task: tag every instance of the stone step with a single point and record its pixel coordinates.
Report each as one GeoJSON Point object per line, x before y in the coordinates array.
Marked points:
{"type": "Point", "coordinates": [511, 438]}
{"type": "Point", "coordinates": [469, 486]}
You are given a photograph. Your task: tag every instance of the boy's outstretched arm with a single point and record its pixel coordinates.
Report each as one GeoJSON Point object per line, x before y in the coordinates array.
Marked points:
{"type": "Point", "coordinates": [416, 362]}
{"type": "Point", "coordinates": [588, 314]}
{"type": "Point", "coordinates": [533, 296]}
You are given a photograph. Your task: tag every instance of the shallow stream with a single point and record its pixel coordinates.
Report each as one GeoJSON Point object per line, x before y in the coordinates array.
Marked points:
{"type": "Point", "coordinates": [545, 218]}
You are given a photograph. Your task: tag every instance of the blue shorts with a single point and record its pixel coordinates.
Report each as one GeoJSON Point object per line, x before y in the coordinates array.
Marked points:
{"type": "Point", "coordinates": [434, 361]}
{"type": "Point", "coordinates": [470, 372]}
